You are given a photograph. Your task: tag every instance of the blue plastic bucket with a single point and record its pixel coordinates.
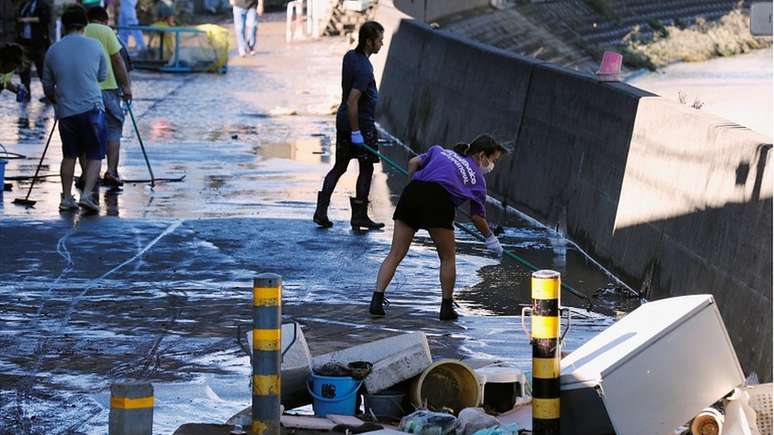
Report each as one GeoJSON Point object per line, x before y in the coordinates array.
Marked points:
{"type": "Point", "coordinates": [333, 394]}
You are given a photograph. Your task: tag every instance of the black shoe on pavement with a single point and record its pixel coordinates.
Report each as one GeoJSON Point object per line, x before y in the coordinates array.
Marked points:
{"type": "Point", "coordinates": [360, 217]}
{"type": "Point", "coordinates": [377, 304]}
{"type": "Point", "coordinates": [447, 310]}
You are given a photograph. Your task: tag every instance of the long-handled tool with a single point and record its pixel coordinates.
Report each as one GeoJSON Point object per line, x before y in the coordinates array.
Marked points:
{"type": "Point", "coordinates": [27, 202]}
{"type": "Point", "coordinates": [506, 253]}
{"type": "Point", "coordinates": [29, 177]}
{"type": "Point", "coordinates": [142, 146]}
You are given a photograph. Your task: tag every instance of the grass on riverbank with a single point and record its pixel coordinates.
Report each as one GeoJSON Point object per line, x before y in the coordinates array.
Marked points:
{"type": "Point", "coordinates": [702, 41]}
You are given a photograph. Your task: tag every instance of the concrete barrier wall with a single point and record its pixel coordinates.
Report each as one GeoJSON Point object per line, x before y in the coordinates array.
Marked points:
{"type": "Point", "coordinates": [429, 10]}
{"type": "Point", "coordinates": [675, 200]}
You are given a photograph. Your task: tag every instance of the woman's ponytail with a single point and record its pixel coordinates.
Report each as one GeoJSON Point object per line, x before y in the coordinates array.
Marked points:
{"type": "Point", "coordinates": [462, 148]}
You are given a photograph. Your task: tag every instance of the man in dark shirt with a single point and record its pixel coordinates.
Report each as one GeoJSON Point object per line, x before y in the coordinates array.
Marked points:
{"type": "Point", "coordinates": [355, 126]}
{"type": "Point", "coordinates": [33, 18]}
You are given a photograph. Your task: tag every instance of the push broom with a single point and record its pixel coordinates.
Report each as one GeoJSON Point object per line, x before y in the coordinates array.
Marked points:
{"type": "Point", "coordinates": [26, 201]}
{"type": "Point", "coordinates": [153, 179]}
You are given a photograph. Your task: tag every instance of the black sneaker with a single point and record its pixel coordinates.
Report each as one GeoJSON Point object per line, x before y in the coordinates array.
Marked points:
{"type": "Point", "coordinates": [378, 301]}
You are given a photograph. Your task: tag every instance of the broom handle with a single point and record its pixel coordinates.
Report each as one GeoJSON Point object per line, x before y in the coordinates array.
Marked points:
{"type": "Point", "coordinates": [142, 146]}
{"type": "Point", "coordinates": [40, 163]}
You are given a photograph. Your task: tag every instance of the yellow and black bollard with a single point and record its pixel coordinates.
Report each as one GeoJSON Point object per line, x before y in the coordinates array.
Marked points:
{"type": "Point", "coordinates": [267, 357]}
{"type": "Point", "coordinates": [546, 347]}
{"type": "Point", "coordinates": [131, 408]}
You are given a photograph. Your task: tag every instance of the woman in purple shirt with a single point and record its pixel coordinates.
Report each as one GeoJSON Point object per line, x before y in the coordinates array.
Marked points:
{"type": "Point", "coordinates": [441, 180]}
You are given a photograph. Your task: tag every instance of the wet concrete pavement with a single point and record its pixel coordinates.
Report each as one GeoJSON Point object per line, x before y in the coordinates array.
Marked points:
{"type": "Point", "coordinates": [157, 285]}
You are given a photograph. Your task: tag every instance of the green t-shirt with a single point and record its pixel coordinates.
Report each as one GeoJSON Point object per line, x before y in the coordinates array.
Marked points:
{"type": "Point", "coordinates": [110, 45]}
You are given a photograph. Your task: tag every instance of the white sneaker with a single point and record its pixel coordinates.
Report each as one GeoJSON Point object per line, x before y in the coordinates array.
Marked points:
{"type": "Point", "coordinates": [87, 202]}
{"type": "Point", "coordinates": [67, 204]}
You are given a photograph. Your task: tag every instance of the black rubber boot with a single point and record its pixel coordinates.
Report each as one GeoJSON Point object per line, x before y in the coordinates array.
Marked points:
{"type": "Point", "coordinates": [321, 212]}
{"type": "Point", "coordinates": [377, 304]}
{"type": "Point", "coordinates": [447, 310]}
{"type": "Point", "coordinates": [360, 217]}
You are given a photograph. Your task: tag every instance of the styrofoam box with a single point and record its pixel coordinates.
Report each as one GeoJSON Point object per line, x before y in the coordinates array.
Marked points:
{"type": "Point", "coordinates": [650, 372]}
{"type": "Point", "coordinates": [356, 5]}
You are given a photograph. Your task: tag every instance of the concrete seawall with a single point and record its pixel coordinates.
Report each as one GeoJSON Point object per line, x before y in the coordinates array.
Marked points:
{"type": "Point", "coordinates": [675, 200]}
{"type": "Point", "coordinates": [429, 10]}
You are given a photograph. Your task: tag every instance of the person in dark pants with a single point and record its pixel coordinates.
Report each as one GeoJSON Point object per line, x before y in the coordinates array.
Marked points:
{"type": "Point", "coordinates": [355, 126]}
{"type": "Point", "coordinates": [33, 18]}
{"type": "Point", "coordinates": [441, 180]}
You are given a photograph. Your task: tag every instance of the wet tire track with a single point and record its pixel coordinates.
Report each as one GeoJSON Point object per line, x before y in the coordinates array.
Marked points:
{"type": "Point", "coordinates": [148, 365]}
{"type": "Point", "coordinates": [24, 387]}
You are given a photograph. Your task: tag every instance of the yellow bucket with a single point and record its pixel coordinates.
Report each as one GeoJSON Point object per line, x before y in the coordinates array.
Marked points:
{"type": "Point", "coordinates": [447, 383]}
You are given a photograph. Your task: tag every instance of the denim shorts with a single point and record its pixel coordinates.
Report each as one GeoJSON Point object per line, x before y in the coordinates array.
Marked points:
{"type": "Point", "coordinates": [114, 114]}
{"type": "Point", "coordinates": [84, 134]}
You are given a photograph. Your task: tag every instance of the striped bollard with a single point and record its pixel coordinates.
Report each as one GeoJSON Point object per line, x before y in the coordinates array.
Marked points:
{"type": "Point", "coordinates": [546, 351]}
{"type": "Point", "coordinates": [267, 358]}
{"type": "Point", "coordinates": [131, 409]}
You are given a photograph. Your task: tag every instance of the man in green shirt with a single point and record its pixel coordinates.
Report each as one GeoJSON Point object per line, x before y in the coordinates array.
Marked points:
{"type": "Point", "coordinates": [111, 93]}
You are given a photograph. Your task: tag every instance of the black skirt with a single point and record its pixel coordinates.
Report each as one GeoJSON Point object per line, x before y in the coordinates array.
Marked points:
{"type": "Point", "coordinates": [424, 205]}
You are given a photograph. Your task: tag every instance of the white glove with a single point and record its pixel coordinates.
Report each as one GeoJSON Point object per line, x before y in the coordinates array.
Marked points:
{"type": "Point", "coordinates": [357, 137]}
{"type": "Point", "coordinates": [494, 245]}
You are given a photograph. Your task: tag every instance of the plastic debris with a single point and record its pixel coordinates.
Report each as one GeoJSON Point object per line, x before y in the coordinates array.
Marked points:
{"type": "Point", "coordinates": [505, 429]}
{"type": "Point", "coordinates": [471, 420]}
{"type": "Point", "coordinates": [333, 369]}
{"type": "Point", "coordinates": [360, 369]}
{"type": "Point", "coordinates": [426, 422]}
{"type": "Point", "coordinates": [740, 418]}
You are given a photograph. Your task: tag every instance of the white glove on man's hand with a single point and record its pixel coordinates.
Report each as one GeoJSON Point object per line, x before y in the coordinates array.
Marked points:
{"type": "Point", "coordinates": [494, 245]}
{"type": "Point", "coordinates": [357, 137]}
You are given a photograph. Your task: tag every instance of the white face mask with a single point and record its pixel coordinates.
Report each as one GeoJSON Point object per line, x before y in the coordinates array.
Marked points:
{"type": "Point", "coordinates": [488, 168]}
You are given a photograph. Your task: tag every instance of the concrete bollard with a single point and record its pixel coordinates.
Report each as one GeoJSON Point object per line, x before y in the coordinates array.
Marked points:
{"type": "Point", "coordinates": [546, 352]}
{"type": "Point", "coordinates": [131, 409]}
{"type": "Point", "coordinates": [267, 354]}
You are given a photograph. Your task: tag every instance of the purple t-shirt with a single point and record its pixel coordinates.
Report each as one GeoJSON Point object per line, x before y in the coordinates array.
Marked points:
{"type": "Point", "coordinates": [459, 175]}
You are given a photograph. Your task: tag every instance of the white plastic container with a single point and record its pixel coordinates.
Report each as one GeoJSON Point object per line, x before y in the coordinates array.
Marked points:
{"type": "Point", "coordinates": [650, 372]}
{"type": "Point", "coordinates": [503, 385]}
{"type": "Point", "coordinates": [481, 384]}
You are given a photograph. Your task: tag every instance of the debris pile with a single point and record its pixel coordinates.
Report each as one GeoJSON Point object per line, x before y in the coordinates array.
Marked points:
{"type": "Point", "coordinates": [668, 367]}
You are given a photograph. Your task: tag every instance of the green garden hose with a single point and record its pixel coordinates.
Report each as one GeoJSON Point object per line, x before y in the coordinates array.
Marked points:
{"type": "Point", "coordinates": [478, 236]}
